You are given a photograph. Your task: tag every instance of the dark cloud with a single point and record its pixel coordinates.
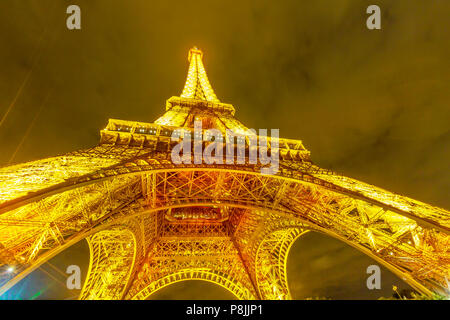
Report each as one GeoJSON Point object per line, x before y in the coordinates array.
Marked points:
{"type": "Point", "coordinates": [370, 104]}
{"type": "Point", "coordinates": [323, 267]}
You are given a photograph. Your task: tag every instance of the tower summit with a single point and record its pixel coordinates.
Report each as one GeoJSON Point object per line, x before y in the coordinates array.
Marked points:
{"type": "Point", "coordinates": [150, 222]}
{"type": "Point", "coordinates": [197, 85]}
{"type": "Point", "coordinates": [199, 102]}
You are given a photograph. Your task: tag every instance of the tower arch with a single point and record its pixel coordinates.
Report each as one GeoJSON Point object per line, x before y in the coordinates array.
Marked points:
{"type": "Point", "coordinates": [225, 281]}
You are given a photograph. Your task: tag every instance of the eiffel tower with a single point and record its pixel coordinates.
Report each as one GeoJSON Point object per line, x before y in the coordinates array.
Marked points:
{"type": "Point", "coordinates": [150, 223]}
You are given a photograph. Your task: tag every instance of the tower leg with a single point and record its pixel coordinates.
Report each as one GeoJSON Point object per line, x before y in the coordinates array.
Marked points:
{"type": "Point", "coordinates": [113, 254]}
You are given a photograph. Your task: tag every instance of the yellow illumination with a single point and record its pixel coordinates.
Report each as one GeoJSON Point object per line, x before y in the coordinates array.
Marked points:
{"type": "Point", "coordinates": [197, 85]}
{"type": "Point", "coordinates": [150, 223]}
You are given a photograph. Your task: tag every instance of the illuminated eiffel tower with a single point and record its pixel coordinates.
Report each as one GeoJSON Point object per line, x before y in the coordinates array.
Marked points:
{"type": "Point", "coordinates": [150, 222]}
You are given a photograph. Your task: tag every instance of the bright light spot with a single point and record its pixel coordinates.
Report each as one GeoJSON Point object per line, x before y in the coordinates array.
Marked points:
{"type": "Point", "coordinates": [10, 269]}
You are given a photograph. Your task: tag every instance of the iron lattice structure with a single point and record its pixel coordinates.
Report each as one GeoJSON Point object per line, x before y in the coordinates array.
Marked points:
{"type": "Point", "coordinates": [150, 223]}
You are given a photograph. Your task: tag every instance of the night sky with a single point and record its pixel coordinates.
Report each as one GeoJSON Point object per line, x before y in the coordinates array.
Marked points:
{"type": "Point", "coordinates": [371, 104]}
